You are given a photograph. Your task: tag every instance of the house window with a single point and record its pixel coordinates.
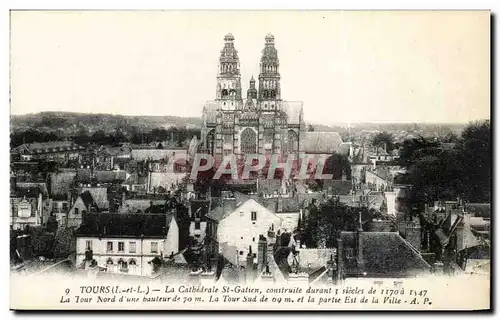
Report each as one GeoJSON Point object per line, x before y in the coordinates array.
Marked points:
{"type": "Point", "coordinates": [123, 265]}
{"type": "Point", "coordinates": [254, 215]}
{"type": "Point", "coordinates": [76, 210]}
{"type": "Point", "coordinates": [132, 262]}
{"type": "Point", "coordinates": [242, 213]}
{"type": "Point", "coordinates": [241, 253]}
{"type": "Point", "coordinates": [65, 206]}
{"type": "Point", "coordinates": [109, 246]}
{"type": "Point", "coordinates": [154, 247]}
{"type": "Point", "coordinates": [253, 239]}
{"type": "Point", "coordinates": [131, 247]}
{"type": "Point", "coordinates": [88, 245]}
{"type": "Point", "coordinates": [121, 246]}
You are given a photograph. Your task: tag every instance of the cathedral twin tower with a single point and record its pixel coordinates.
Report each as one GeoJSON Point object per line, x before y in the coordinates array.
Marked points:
{"type": "Point", "coordinates": [261, 122]}
{"type": "Point", "coordinates": [229, 77]}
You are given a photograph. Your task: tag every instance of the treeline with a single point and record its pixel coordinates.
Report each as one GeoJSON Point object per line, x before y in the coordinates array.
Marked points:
{"type": "Point", "coordinates": [177, 136]}
{"type": "Point", "coordinates": [447, 173]}
{"type": "Point", "coordinates": [322, 223]}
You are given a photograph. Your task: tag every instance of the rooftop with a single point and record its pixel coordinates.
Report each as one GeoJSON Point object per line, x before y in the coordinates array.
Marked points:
{"type": "Point", "coordinates": [124, 225]}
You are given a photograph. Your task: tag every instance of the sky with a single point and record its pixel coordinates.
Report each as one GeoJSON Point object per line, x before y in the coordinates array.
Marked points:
{"type": "Point", "coordinates": [351, 66]}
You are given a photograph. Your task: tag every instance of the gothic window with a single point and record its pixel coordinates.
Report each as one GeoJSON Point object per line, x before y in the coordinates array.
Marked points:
{"type": "Point", "coordinates": [273, 94]}
{"type": "Point", "coordinates": [224, 93]}
{"type": "Point", "coordinates": [293, 142]}
{"type": "Point", "coordinates": [248, 141]}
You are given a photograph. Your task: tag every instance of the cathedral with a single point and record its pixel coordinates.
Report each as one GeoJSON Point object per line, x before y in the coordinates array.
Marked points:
{"type": "Point", "coordinates": [262, 122]}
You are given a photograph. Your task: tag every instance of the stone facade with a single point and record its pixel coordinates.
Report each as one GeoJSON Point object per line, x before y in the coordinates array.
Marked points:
{"type": "Point", "coordinates": [262, 122]}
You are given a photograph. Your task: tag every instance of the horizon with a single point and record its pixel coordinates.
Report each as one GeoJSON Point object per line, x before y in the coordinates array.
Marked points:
{"type": "Point", "coordinates": [312, 123]}
{"type": "Point", "coordinates": [386, 67]}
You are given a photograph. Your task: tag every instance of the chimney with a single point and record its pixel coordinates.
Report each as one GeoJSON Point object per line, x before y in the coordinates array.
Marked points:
{"type": "Point", "coordinates": [360, 251]}
{"type": "Point", "coordinates": [438, 268]}
{"type": "Point", "coordinates": [340, 259]}
{"type": "Point", "coordinates": [390, 199]}
{"type": "Point", "coordinates": [249, 270]}
{"type": "Point", "coordinates": [279, 204]}
{"type": "Point", "coordinates": [331, 267]}
{"type": "Point", "coordinates": [261, 252]}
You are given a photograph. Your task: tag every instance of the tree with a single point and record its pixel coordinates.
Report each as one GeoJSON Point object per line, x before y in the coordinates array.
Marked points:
{"type": "Point", "coordinates": [384, 140]}
{"type": "Point", "coordinates": [64, 243]}
{"type": "Point", "coordinates": [474, 156]}
{"type": "Point", "coordinates": [51, 224]}
{"type": "Point", "coordinates": [43, 243]}
{"type": "Point", "coordinates": [437, 174]}
{"type": "Point", "coordinates": [416, 148]}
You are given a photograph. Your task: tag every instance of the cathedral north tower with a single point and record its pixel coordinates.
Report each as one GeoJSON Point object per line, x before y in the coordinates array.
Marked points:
{"type": "Point", "coordinates": [269, 77]}
{"type": "Point", "coordinates": [228, 76]}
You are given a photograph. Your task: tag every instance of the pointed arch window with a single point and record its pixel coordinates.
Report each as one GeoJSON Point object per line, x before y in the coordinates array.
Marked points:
{"type": "Point", "coordinates": [293, 142]}
{"type": "Point", "coordinates": [248, 141]}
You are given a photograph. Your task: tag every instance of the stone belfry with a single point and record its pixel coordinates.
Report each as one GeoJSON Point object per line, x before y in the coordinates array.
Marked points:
{"type": "Point", "coordinates": [252, 91]}
{"type": "Point", "coordinates": [269, 77]}
{"type": "Point", "coordinates": [228, 76]}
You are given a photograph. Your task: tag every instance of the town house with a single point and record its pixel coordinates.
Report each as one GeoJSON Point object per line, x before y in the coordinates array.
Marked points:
{"type": "Point", "coordinates": [126, 243]}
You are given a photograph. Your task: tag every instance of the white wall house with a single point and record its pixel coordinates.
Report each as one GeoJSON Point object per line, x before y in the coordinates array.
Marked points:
{"type": "Point", "coordinates": [240, 228]}
{"type": "Point", "coordinates": [126, 252]}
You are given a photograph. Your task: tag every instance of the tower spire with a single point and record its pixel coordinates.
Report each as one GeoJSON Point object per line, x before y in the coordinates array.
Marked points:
{"type": "Point", "coordinates": [228, 77]}
{"type": "Point", "coordinates": [269, 77]}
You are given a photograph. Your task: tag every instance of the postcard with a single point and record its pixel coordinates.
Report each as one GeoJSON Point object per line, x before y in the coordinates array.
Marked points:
{"type": "Point", "coordinates": [250, 160]}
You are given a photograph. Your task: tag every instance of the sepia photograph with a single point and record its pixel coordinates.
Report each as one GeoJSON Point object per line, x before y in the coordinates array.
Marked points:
{"type": "Point", "coordinates": [250, 160]}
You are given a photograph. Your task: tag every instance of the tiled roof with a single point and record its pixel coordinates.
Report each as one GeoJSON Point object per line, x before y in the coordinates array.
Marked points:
{"type": "Point", "coordinates": [383, 173]}
{"type": "Point", "coordinates": [42, 186]}
{"type": "Point", "coordinates": [60, 183]}
{"type": "Point", "coordinates": [151, 154]}
{"type": "Point", "coordinates": [384, 254]}
{"type": "Point", "coordinates": [165, 179]}
{"type": "Point", "coordinates": [100, 196]}
{"type": "Point", "coordinates": [88, 200]}
{"type": "Point", "coordinates": [124, 225]}
{"type": "Point", "coordinates": [110, 176]}
{"type": "Point", "coordinates": [222, 210]}
{"type": "Point", "coordinates": [32, 192]}
{"type": "Point", "coordinates": [48, 146]}
{"type": "Point", "coordinates": [338, 187]}
{"type": "Point", "coordinates": [83, 175]}
{"type": "Point", "coordinates": [479, 209]}
{"type": "Point", "coordinates": [320, 142]}
{"type": "Point", "coordinates": [135, 205]}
